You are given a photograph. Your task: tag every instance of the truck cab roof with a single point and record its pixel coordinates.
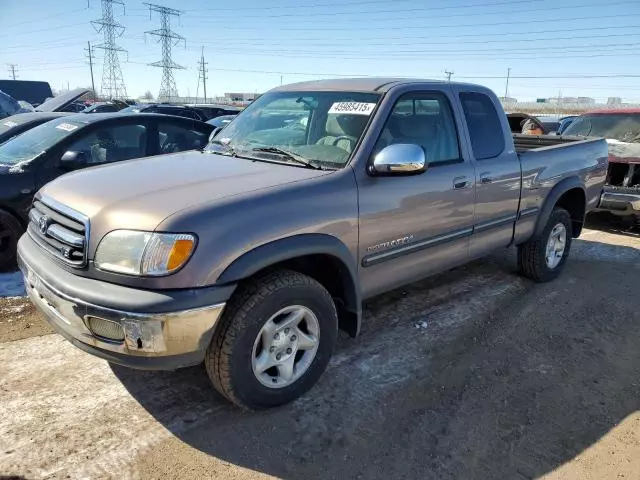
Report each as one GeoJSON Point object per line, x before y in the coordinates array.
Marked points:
{"type": "Point", "coordinates": [363, 84]}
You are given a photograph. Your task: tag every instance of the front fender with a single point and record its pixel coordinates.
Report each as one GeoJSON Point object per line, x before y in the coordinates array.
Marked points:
{"type": "Point", "coordinates": [298, 246]}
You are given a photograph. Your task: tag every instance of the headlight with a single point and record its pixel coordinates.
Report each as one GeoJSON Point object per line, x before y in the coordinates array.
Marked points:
{"type": "Point", "coordinates": [144, 253]}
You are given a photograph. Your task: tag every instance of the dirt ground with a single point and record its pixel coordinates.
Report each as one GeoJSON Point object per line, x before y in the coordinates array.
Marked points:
{"type": "Point", "coordinates": [474, 374]}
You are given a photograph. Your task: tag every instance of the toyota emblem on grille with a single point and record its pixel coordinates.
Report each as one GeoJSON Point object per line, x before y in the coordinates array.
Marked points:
{"type": "Point", "coordinates": [43, 223]}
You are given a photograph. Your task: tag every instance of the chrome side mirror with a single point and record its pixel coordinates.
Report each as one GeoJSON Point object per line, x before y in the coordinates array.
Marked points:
{"type": "Point", "coordinates": [399, 159]}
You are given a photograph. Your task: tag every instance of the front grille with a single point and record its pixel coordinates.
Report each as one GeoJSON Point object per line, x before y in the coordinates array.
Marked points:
{"type": "Point", "coordinates": [60, 231]}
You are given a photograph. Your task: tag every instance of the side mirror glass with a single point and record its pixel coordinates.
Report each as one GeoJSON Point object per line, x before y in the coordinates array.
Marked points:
{"type": "Point", "coordinates": [399, 159]}
{"type": "Point", "coordinates": [72, 159]}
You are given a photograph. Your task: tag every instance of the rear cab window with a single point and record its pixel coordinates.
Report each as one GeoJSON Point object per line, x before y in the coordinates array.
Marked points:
{"type": "Point", "coordinates": [483, 123]}
{"type": "Point", "coordinates": [112, 144]}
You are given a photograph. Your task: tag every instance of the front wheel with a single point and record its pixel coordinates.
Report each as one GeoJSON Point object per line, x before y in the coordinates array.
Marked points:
{"type": "Point", "coordinates": [274, 340]}
{"type": "Point", "coordinates": [543, 258]}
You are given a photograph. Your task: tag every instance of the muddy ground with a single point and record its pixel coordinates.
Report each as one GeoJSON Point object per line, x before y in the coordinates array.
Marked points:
{"type": "Point", "coordinates": [474, 374]}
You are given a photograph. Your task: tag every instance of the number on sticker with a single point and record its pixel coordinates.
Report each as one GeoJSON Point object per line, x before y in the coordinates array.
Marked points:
{"type": "Point", "coordinates": [352, 108]}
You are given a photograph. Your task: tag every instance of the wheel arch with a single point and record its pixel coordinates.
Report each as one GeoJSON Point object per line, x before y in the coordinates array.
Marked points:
{"type": "Point", "coordinates": [320, 256]}
{"type": "Point", "coordinates": [570, 195]}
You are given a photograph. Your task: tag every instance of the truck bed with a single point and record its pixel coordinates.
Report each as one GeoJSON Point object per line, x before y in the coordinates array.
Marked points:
{"type": "Point", "coordinates": [524, 143]}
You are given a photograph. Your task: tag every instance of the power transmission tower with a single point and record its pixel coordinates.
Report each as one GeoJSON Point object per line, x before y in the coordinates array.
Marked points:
{"type": "Point", "coordinates": [112, 81]}
{"type": "Point", "coordinates": [448, 74]}
{"type": "Point", "coordinates": [12, 69]}
{"type": "Point", "coordinates": [202, 76]}
{"type": "Point", "coordinates": [90, 54]}
{"type": "Point", "coordinates": [168, 38]}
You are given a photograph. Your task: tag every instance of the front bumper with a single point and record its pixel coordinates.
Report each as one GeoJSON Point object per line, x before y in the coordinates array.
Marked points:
{"type": "Point", "coordinates": [620, 201]}
{"type": "Point", "coordinates": [152, 340]}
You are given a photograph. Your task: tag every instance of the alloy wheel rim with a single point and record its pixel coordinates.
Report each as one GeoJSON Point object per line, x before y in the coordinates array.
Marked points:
{"type": "Point", "coordinates": [285, 346]}
{"type": "Point", "coordinates": [556, 245]}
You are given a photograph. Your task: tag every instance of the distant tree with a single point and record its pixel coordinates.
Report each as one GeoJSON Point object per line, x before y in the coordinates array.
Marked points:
{"type": "Point", "coordinates": [148, 95]}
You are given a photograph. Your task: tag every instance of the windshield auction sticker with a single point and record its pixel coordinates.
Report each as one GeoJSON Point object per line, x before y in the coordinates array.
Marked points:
{"type": "Point", "coordinates": [352, 108]}
{"type": "Point", "coordinates": [10, 124]}
{"type": "Point", "coordinates": [67, 127]}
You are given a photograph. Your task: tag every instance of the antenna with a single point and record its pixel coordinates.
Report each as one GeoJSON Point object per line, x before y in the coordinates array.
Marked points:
{"type": "Point", "coordinates": [168, 38]}
{"type": "Point", "coordinates": [112, 81]}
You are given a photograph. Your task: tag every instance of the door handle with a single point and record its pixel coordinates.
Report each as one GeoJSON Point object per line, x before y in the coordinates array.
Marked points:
{"type": "Point", "coordinates": [460, 182]}
{"type": "Point", "coordinates": [485, 178]}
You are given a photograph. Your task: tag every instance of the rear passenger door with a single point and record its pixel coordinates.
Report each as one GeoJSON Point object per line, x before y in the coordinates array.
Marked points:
{"type": "Point", "coordinates": [172, 136]}
{"type": "Point", "coordinates": [498, 175]}
{"type": "Point", "coordinates": [413, 226]}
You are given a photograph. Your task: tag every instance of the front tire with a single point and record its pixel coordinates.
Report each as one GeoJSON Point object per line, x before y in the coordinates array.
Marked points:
{"type": "Point", "coordinates": [274, 340]}
{"type": "Point", "coordinates": [543, 259]}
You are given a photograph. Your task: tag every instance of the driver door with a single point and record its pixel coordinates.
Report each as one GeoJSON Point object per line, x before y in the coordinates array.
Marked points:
{"type": "Point", "coordinates": [414, 226]}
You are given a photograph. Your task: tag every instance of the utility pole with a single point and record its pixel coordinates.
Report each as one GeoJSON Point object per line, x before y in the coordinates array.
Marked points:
{"type": "Point", "coordinates": [12, 69]}
{"type": "Point", "coordinates": [506, 88]}
{"type": "Point", "coordinates": [448, 74]}
{"type": "Point", "coordinates": [168, 38]}
{"type": "Point", "coordinates": [202, 75]}
{"type": "Point", "coordinates": [89, 52]}
{"type": "Point", "coordinates": [112, 81]}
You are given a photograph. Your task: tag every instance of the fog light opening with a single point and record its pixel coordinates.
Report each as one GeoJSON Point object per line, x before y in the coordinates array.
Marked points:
{"type": "Point", "coordinates": [105, 329]}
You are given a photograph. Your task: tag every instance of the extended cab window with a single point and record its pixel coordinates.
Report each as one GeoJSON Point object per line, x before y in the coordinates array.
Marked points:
{"type": "Point", "coordinates": [483, 122]}
{"type": "Point", "coordinates": [178, 138]}
{"type": "Point", "coordinates": [112, 144]}
{"type": "Point", "coordinates": [423, 119]}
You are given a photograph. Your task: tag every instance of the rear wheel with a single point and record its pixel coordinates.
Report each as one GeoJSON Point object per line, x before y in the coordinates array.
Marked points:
{"type": "Point", "coordinates": [274, 340]}
{"type": "Point", "coordinates": [542, 259]}
{"type": "Point", "coordinates": [10, 231]}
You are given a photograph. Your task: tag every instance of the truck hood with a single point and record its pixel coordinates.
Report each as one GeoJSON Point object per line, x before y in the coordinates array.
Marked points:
{"type": "Point", "coordinates": [623, 152]}
{"type": "Point", "coordinates": [139, 194]}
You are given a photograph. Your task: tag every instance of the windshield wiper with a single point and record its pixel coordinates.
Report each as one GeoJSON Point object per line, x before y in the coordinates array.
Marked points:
{"type": "Point", "coordinates": [289, 155]}
{"type": "Point", "coordinates": [228, 148]}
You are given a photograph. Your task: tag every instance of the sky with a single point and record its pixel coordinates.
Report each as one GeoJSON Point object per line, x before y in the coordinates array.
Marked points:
{"type": "Point", "coordinates": [568, 48]}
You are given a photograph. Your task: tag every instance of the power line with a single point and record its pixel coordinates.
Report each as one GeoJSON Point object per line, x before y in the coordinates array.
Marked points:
{"type": "Point", "coordinates": [112, 82]}
{"type": "Point", "coordinates": [297, 15]}
{"type": "Point", "coordinates": [169, 38]}
{"type": "Point", "coordinates": [12, 69]}
{"type": "Point", "coordinates": [352, 28]}
{"type": "Point", "coordinates": [363, 2]}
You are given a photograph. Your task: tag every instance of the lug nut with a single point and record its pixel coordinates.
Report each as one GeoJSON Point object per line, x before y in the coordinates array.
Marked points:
{"type": "Point", "coordinates": [286, 330]}
{"type": "Point", "coordinates": [288, 351]}
{"type": "Point", "coordinates": [278, 356]}
{"type": "Point", "coordinates": [272, 349]}
{"type": "Point", "coordinates": [293, 338]}
{"type": "Point", "coordinates": [277, 336]}
{"type": "Point", "coordinates": [274, 380]}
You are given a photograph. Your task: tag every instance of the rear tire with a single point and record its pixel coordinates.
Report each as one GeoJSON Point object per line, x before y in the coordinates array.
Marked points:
{"type": "Point", "coordinates": [241, 359]}
{"type": "Point", "coordinates": [10, 232]}
{"type": "Point", "coordinates": [543, 259]}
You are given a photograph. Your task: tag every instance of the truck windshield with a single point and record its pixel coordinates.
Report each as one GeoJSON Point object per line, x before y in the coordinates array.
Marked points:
{"type": "Point", "coordinates": [624, 127]}
{"type": "Point", "coordinates": [31, 143]}
{"type": "Point", "coordinates": [319, 128]}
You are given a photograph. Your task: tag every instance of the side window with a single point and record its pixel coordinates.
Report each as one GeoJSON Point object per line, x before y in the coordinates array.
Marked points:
{"type": "Point", "coordinates": [178, 138]}
{"type": "Point", "coordinates": [423, 119]}
{"type": "Point", "coordinates": [483, 122]}
{"type": "Point", "coordinates": [112, 144]}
